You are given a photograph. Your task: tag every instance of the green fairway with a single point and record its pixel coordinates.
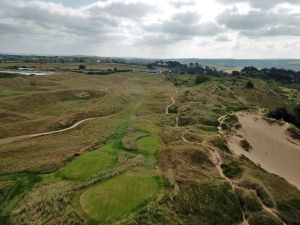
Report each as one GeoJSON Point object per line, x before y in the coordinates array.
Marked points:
{"type": "Point", "coordinates": [90, 164]}
{"type": "Point", "coordinates": [95, 162]}
{"type": "Point", "coordinates": [148, 146]}
{"type": "Point", "coordinates": [119, 196]}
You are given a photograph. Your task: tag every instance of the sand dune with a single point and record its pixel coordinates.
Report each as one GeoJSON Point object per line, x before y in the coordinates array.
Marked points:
{"type": "Point", "coordinates": [272, 146]}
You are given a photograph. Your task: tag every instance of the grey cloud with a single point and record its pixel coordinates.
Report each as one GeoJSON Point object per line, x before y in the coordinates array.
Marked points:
{"type": "Point", "coordinates": [261, 3]}
{"type": "Point", "coordinates": [127, 10]}
{"type": "Point", "coordinates": [179, 4]}
{"type": "Point", "coordinates": [222, 38]}
{"type": "Point", "coordinates": [273, 31]}
{"type": "Point", "coordinates": [185, 25]}
{"type": "Point", "coordinates": [260, 23]}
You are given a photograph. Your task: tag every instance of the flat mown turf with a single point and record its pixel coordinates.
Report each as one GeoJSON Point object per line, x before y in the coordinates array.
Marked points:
{"type": "Point", "coordinates": [119, 196]}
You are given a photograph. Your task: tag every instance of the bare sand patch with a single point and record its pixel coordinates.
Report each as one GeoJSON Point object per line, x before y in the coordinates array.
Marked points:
{"type": "Point", "coordinates": [272, 148]}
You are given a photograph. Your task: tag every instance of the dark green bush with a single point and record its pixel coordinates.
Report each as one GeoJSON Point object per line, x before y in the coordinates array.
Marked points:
{"type": "Point", "coordinates": [201, 79]}
{"type": "Point", "coordinates": [245, 145]}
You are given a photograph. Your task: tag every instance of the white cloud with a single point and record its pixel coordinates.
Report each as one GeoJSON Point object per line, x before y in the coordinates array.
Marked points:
{"type": "Point", "coordinates": [172, 28]}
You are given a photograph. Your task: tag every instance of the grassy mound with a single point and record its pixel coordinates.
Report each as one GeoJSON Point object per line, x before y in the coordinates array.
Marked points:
{"type": "Point", "coordinates": [208, 204]}
{"type": "Point", "coordinates": [264, 218]}
{"type": "Point", "coordinates": [233, 169]}
{"type": "Point", "coordinates": [249, 201]}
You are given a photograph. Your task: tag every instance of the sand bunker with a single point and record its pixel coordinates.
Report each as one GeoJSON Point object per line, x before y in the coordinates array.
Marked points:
{"type": "Point", "coordinates": [272, 147]}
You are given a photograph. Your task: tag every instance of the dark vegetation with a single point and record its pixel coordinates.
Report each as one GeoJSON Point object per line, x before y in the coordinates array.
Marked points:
{"type": "Point", "coordinates": [245, 145]}
{"type": "Point", "coordinates": [290, 116]}
{"type": "Point", "coordinates": [201, 79]}
{"type": "Point", "coordinates": [232, 169]}
{"type": "Point", "coordinates": [264, 218]}
{"type": "Point", "coordinates": [250, 84]}
{"type": "Point", "coordinates": [280, 75]}
{"type": "Point", "coordinates": [102, 72]}
{"type": "Point", "coordinates": [249, 200]}
{"type": "Point", "coordinates": [221, 144]}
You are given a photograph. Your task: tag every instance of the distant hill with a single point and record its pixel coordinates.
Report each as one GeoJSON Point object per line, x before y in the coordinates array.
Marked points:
{"type": "Point", "coordinates": [293, 64]}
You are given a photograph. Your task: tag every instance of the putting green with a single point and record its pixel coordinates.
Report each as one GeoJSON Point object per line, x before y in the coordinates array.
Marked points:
{"type": "Point", "coordinates": [119, 196]}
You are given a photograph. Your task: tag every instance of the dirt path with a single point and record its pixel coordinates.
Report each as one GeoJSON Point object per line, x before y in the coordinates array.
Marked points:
{"type": "Point", "coordinates": [173, 102]}
{"type": "Point", "coordinates": [22, 137]}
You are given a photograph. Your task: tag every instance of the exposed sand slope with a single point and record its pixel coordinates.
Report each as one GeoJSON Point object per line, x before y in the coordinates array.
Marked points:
{"type": "Point", "coordinates": [272, 147]}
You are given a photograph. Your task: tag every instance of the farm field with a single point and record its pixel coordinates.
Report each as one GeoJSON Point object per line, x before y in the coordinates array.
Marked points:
{"type": "Point", "coordinates": [148, 149]}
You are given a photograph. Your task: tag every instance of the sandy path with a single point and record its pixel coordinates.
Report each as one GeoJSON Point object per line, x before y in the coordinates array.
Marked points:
{"type": "Point", "coordinates": [22, 137]}
{"type": "Point", "coordinates": [173, 103]}
{"type": "Point", "coordinates": [272, 148]}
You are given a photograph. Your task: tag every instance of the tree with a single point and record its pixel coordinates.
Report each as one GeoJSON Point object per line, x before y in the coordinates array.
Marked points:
{"type": "Point", "coordinates": [235, 73]}
{"type": "Point", "coordinates": [201, 79]}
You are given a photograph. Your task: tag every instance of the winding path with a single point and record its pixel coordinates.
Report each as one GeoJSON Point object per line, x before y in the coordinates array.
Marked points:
{"type": "Point", "coordinates": [173, 102]}
{"type": "Point", "coordinates": [168, 107]}
{"type": "Point", "coordinates": [22, 137]}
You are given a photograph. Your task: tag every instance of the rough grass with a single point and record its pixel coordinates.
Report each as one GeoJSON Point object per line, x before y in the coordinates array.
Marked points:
{"type": "Point", "coordinates": [264, 218]}
{"type": "Point", "coordinates": [249, 201]}
{"type": "Point", "coordinates": [221, 204]}
{"type": "Point", "coordinates": [110, 200]}
{"type": "Point", "coordinates": [232, 169]}
{"type": "Point", "coordinates": [16, 187]}
{"type": "Point", "coordinates": [221, 144]}
{"type": "Point", "coordinates": [48, 203]}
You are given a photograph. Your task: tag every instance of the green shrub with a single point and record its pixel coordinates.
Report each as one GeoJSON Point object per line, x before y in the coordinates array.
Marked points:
{"type": "Point", "coordinates": [249, 200]}
{"type": "Point", "coordinates": [294, 132]}
{"type": "Point", "coordinates": [221, 144]}
{"type": "Point", "coordinates": [232, 170]}
{"type": "Point", "coordinates": [201, 79]}
{"type": "Point", "coordinates": [250, 84]}
{"type": "Point", "coordinates": [245, 145]}
{"type": "Point", "coordinates": [173, 109]}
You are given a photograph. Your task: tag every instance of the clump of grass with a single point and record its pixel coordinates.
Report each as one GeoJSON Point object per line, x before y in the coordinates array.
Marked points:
{"type": "Point", "coordinates": [201, 202]}
{"type": "Point", "coordinates": [249, 200]}
{"type": "Point", "coordinates": [221, 144]}
{"type": "Point", "coordinates": [173, 109]}
{"type": "Point", "coordinates": [47, 203]}
{"type": "Point", "coordinates": [264, 218]}
{"type": "Point", "coordinates": [245, 145]}
{"type": "Point", "coordinates": [289, 210]}
{"type": "Point", "coordinates": [260, 190]}
{"type": "Point", "coordinates": [294, 132]}
{"type": "Point", "coordinates": [233, 169]}
{"type": "Point", "coordinates": [131, 137]}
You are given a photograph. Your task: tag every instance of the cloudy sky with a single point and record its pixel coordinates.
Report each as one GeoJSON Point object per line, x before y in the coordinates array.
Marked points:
{"type": "Point", "coordinates": [152, 28]}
